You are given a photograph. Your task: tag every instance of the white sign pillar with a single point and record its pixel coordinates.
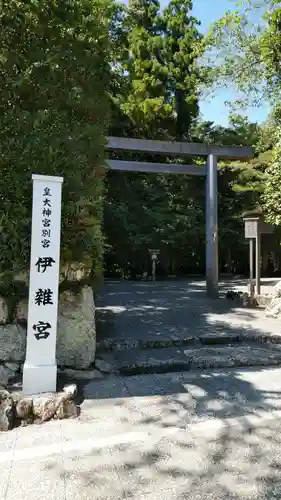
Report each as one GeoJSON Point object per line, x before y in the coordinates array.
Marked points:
{"type": "Point", "coordinates": [40, 368]}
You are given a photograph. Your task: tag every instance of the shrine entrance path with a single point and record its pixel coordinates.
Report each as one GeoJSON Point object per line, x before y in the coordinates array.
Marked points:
{"type": "Point", "coordinates": [174, 310]}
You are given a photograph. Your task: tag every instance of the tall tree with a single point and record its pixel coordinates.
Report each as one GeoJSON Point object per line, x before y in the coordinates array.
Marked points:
{"type": "Point", "coordinates": [272, 192]}
{"type": "Point", "coordinates": [182, 47]}
{"type": "Point", "coordinates": [119, 123]}
{"type": "Point", "coordinates": [146, 102]}
{"type": "Point", "coordinates": [167, 212]}
{"type": "Point", "coordinates": [54, 64]}
{"type": "Point", "coordinates": [240, 132]}
{"type": "Point", "coordinates": [162, 67]}
{"type": "Point", "coordinates": [255, 69]}
{"type": "Point", "coordinates": [241, 50]}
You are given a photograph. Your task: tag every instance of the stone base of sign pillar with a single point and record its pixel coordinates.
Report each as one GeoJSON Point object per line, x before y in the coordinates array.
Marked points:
{"type": "Point", "coordinates": [37, 379]}
{"type": "Point", "coordinates": [76, 342]}
{"type": "Point", "coordinates": [76, 338]}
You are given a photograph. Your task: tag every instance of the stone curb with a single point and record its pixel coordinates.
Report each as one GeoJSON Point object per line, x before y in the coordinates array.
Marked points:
{"type": "Point", "coordinates": [115, 345]}
{"type": "Point", "coordinates": [167, 367]}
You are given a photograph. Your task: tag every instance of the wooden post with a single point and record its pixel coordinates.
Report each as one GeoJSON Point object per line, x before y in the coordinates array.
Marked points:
{"type": "Point", "coordinates": [154, 255]}
{"type": "Point", "coordinates": [153, 269]}
{"type": "Point", "coordinates": [251, 261]}
{"type": "Point", "coordinates": [258, 262]}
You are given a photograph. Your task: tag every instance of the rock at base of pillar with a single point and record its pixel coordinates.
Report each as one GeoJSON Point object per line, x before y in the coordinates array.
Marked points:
{"type": "Point", "coordinates": [273, 310]}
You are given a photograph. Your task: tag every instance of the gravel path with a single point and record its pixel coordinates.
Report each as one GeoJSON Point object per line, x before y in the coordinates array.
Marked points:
{"type": "Point", "coordinates": [176, 309]}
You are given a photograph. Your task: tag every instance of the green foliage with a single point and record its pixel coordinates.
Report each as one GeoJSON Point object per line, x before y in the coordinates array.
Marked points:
{"type": "Point", "coordinates": [243, 50]}
{"type": "Point", "coordinates": [145, 211]}
{"type": "Point", "coordinates": [146, 102]}
{"type": "Point", "coordinates": [118, 84]}
{"type": "Point", "coordinates": [153, 211]}
{"type": "Point", "coordinates": [249, 57]}
{"type": "Point", "coordinates": [158, 99]}
{"type": "Point", "coordinates": [160, 80]}
{"type": "Point", "coordinates": [234, 55]}
{"type": "Point", "coordinates": [272, 190]}
{"type": "Point", "coordinates": [64, 65]}
{"type": "Point", "coordinates": [182, 47]}
{"type": "Point", "coordinates": [54, 75]}
{"type": "Point", "coordinates": [161, 71]}
{"type": "Point", "coordinates": [240, 132]}
{"type": "Point", "coordinates": [270, 46]}
{"type": "Point", "coordinates": [270, 40]}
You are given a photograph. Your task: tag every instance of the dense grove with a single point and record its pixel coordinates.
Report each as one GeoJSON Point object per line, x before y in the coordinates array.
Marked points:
{"type": "Point", "coordinates": [54, 59]}
{"type": "Point", "coordinates": [76, 71]}
{"type": "Point", "coordinates": [164, 67]}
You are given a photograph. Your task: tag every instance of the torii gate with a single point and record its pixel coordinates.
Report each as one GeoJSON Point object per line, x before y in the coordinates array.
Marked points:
{"type": "Point", "coordinates": [209, 170]}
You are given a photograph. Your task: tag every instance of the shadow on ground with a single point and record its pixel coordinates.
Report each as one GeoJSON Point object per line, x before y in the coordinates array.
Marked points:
{"type": "Point", "coordinates": [217, 444]}
{"type": "Point", "coordinates": [220, 446]}
{"type": "Point", "coordinates": [172, 310]}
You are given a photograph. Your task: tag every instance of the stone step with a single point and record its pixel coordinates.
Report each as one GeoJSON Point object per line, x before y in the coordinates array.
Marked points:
{"type": "Point", "coordinates": [170, 359]}
{"type": "Point", "coordinates": [117, 344]}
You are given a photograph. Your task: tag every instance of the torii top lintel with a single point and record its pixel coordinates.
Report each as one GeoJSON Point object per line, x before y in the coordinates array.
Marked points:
{"type": "Point", "coordinates": [179, 148]}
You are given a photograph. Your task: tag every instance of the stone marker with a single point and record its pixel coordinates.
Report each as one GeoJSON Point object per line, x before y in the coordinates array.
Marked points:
{"type": "Point", "coordinates": [40, 368]}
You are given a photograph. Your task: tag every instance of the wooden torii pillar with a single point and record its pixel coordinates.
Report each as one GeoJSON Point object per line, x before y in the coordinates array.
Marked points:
{"type": "Point", "coordinates": [212, 153]}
